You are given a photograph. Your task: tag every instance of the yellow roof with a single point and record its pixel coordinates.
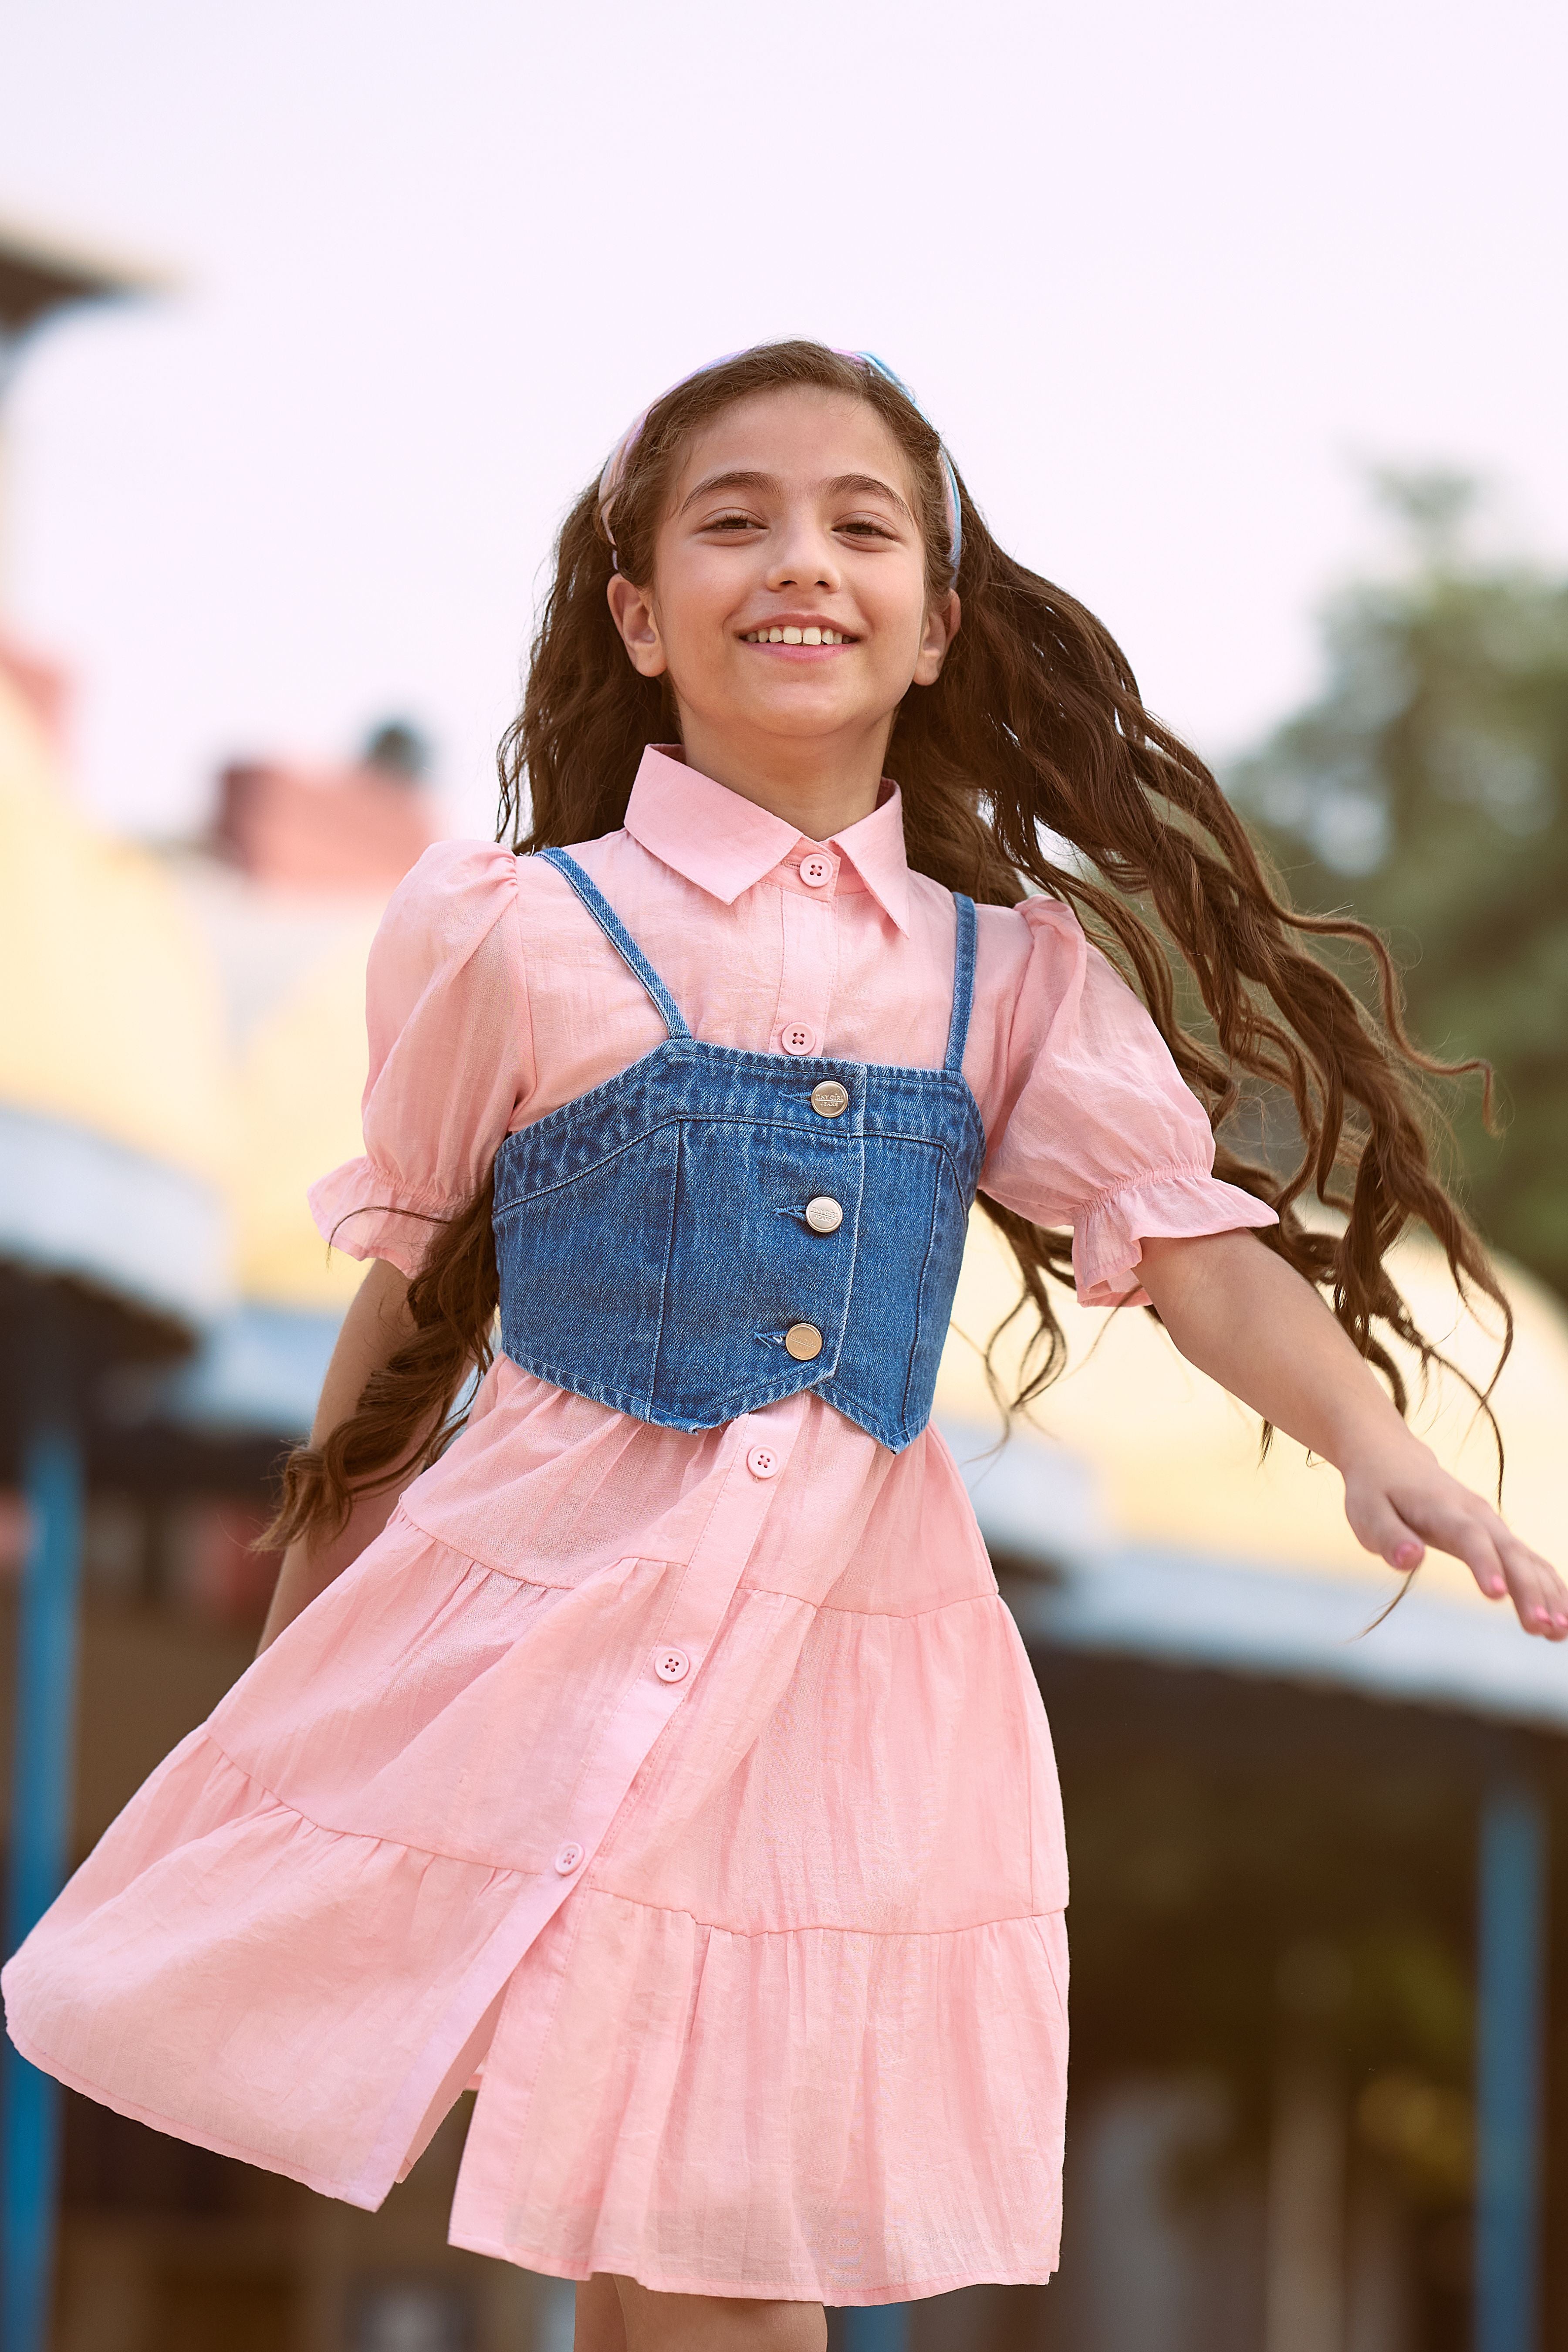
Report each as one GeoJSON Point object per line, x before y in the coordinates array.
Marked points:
{"type": "Point", "coordinates": [301, 1081]}
{"type": "Point", "coordinates": [112, 1023]}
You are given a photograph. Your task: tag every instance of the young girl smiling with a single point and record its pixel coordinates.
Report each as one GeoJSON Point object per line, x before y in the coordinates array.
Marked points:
{"type": "Point", "coordinates": [663, 1745]}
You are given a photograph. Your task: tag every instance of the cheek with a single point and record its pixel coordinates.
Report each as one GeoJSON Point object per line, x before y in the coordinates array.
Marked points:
{"type": "Point", "coordinates": [693, 611]}
{"type": "Point", "coordinates": [897, 608]}
{"type": "Point", "coordinates": [900, 635]}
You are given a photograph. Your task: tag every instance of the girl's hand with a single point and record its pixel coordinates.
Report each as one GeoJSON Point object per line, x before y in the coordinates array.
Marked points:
{"type": "Point", "coordinates": [1243, 1316]}
{"type": "Point", "coordinates": [1398, 1500]}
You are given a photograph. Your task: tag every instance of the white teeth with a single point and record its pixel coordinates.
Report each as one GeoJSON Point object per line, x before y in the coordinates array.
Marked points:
{"type": "Point", "coordinates": [812, 637]}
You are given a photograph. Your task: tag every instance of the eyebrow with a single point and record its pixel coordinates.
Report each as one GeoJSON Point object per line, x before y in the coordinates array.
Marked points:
{"type": "Point", "coordinates": [742, 478]}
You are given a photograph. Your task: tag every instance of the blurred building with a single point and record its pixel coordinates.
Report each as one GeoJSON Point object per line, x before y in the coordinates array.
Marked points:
{"type": "Point", "coordinates": [185, 1049]}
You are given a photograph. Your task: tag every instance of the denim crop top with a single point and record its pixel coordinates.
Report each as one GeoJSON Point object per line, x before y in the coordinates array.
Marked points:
{"type": "Point", "coordinates": [712, 1229]}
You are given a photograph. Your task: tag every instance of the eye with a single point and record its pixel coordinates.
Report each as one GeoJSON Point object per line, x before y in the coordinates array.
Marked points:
{"type": "Point", "coordinates": [865, 526]}
{"type": "Point", "coordinates": [731, 523]}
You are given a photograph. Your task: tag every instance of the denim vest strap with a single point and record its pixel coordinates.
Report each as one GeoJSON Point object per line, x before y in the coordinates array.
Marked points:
{"type": "Point", "coordinates": [626, 948]}
{"type": "Point", "coordinates": [621, 940]}
{"type": "Point", "coordinates": [963, 983]}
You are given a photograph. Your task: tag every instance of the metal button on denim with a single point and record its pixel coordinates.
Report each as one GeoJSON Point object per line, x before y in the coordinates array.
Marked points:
{"type": "Point", "coordinates": [824, 1215]}
{"type": "Point", "coordinates": [764, 1461]}
{"type": "Point", "coordinates": [829, 1098]}
{"type": "Point", "coordinates": [815, 870]}
{"type": "Point", "coordinates": [803, 1341]}
{"type": "Point", "coordinates": [566, 1861]}
{"type": "Point", "coordinates": [796, 1038]}
{"type": "Point", "coordinates": [671, 1664]}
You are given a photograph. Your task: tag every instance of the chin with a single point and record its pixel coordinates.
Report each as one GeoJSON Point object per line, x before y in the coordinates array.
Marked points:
{"type": "Point", "coordinates": [807, 708]}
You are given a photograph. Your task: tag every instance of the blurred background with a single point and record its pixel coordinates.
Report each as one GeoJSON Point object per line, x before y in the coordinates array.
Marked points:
{"type": "Point", "coordinates": [1247, 326]}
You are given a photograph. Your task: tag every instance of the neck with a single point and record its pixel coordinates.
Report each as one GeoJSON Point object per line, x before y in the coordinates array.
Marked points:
{"type": "Point", "coordinates": [820, 787]}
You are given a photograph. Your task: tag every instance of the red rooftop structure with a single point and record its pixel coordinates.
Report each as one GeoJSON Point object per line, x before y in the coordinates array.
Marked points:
{"type": "Point", "coordinates": [350, 828]}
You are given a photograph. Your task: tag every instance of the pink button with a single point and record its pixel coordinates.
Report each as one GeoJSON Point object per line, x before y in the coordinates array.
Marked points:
{"type": "Point", "coordinates": [671, 1666]}
{"type": "Point", "coordinates": [815, 870]}
{"type": "Point", "coordinates": [567, 1860]}
{"type": "Point", "coordinates": [763, 1461]}
{"type": "Point", "coordinates": [796, 1038]}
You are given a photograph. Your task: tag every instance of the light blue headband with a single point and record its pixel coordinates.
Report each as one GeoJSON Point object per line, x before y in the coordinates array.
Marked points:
{"type": "Point", "coordinates": [948, 478]}
{"type": "Point", "coordinates": [615, 468]}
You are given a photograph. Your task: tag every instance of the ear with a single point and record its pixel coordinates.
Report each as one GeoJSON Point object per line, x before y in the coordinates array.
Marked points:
{"type": "Point", "coordinates": [942, 626]}
{"type": "Point", "coordinates": [632, 612]}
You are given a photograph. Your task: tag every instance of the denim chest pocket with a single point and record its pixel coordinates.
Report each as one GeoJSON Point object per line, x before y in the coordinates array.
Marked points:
{"type": "Point", "coordinates": [589, 1316]}
{"type": "Point", "coordinates": [912, 1189]}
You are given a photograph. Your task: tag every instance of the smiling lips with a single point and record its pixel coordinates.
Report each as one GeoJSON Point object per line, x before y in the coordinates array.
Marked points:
{"type": "Point", "coordinates": [794, 637]}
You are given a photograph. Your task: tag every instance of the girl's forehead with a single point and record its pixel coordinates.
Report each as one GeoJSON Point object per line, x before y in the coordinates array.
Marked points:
{"type": "Point", "coordinates": [796, 430]}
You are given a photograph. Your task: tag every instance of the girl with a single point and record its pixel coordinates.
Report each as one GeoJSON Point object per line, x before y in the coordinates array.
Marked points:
{"type": "Point", "coordinates": [666, 1747]}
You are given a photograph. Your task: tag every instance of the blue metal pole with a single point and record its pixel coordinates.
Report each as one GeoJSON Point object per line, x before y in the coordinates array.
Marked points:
{"type": "Point", "coordinates": [876, 2327]}
{"type": "Point", "coordinates": [1511, 2059]}
{"type": "Point", "coordinates": [40, 1836]}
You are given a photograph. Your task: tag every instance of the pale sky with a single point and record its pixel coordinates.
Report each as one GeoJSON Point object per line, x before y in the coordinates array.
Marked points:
{"type": "Point", "coordinates": [1164, 276]}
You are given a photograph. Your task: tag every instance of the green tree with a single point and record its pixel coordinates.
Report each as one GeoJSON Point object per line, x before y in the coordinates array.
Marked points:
{"type": "Point", "coordinates": [1426, 790]}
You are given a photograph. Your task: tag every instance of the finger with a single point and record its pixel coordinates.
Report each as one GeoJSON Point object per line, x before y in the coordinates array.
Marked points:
{"type": "Point", "coordinates": [1498, 1561]}
{"type": "Point", "coordinates": [1464, 1529]}
{"type": "Point", "coordinates": [1455, 1520]}
{"type": "Point", "coordinates": [1534, 1586]}
{"type": "Point", "coordinates": [1378, 1526]}
{"type": "Point", "coordinates": [1536, 1589]}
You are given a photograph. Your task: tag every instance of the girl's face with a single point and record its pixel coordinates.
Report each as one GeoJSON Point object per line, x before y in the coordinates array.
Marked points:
{"type": "Point", "coordinates": [788, 600]}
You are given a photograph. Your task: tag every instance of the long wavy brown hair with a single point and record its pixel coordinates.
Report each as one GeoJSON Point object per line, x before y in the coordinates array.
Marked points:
{"type": "Point", "coordinates": [1032, 763]}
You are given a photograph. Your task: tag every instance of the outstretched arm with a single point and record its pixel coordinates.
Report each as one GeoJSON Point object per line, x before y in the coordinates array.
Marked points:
{"type": "Point", "coordinates": [375, 1327]}
{"type": "Point", "coordinates": [1250, 1322]}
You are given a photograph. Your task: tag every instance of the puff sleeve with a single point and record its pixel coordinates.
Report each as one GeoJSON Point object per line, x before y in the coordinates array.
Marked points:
{"type": "Point", "coordinates": [450, 1055]}
{"type": "Point", "coordinates": [1101, 1132]}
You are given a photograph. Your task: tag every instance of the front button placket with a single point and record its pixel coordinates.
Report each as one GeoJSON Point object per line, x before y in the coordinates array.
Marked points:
{"type": "Point", "coordinates": [809, 967]}
{"type": "Point", "coordinates": [730, 1508]}
{"type": "Point", "coordinates": [703, 1591]}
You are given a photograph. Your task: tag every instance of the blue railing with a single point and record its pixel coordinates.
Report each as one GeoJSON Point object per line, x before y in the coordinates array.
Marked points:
{"type": "Point", "coordinates": [40, 1846]}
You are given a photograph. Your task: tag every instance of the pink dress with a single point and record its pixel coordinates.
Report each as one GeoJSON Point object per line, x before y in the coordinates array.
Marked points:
{"type": "Point", "coordinates": [765, 1965]}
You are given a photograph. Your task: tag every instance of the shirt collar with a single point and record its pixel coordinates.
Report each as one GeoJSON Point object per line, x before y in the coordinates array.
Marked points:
{"type": "Point", "coordinates": [725, 844]}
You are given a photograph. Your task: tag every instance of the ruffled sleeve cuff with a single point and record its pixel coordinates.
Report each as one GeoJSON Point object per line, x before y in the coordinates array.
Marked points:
{"type": "Point", "coordinates": [362, 1211]}
{"type": "Point", "coordinates": [1173, 1204]}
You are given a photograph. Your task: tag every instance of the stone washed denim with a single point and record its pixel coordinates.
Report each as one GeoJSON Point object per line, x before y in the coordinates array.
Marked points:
{"type": "Point", "coordinates": [652, 1237]}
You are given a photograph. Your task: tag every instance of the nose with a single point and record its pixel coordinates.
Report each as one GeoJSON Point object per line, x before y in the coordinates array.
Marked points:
{"type": "Point", "coordinates": [804, 554]}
